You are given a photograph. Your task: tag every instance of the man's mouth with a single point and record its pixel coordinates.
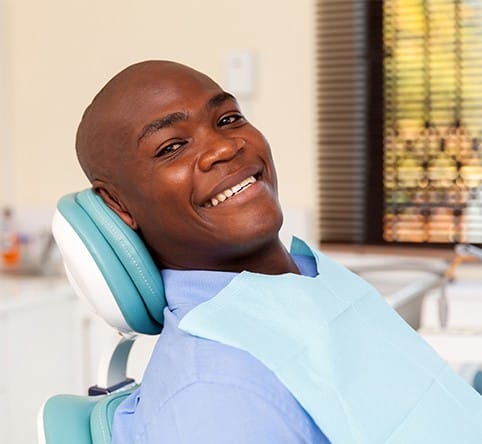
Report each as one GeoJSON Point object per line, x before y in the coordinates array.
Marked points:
{"type": "Point", "coordinates": [230, 192]}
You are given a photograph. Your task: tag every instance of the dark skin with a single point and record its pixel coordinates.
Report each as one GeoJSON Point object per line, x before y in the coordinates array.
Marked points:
{"type": "Point", "coordinates": [171, 153]}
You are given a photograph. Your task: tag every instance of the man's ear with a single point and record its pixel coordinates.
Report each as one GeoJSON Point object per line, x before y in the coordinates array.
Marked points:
{"type": "Point", "coordinates": [111, 199]}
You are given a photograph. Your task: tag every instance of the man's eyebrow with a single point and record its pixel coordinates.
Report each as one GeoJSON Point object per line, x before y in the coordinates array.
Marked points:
{"type": "Point", "coordinates": [219, 99]}
{"type": "Point", "coordinates": [163, 122]}
{"type": "Point", "coordinates": [172, 118]}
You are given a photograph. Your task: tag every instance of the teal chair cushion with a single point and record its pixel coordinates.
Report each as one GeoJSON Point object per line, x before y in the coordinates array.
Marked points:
{"type": "Point", "coordinates": [120, 255]}
{"type": "Point", "coordinates": [66, 419]}
{"type": "Point", "coordinates": [71, 419]}
{"type": "Point", "coordinates": [102, 416]}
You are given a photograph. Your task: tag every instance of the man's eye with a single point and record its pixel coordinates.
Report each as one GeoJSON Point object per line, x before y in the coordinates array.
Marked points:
{"type": "Point", "coordinates": [171, 148]}
{"type": "Point", "coordinates": [231, 118]}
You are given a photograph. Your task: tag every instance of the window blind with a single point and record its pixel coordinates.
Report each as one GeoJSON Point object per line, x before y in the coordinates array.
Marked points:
{"type": "Point", "coordinates": [342, 119]}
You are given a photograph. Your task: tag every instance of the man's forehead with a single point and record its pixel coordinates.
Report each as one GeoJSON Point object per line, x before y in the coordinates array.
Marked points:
{"type": "Point", "coordinates": [173, 87]}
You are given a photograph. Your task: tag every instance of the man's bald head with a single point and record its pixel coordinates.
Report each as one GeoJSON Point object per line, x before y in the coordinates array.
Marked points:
{"type": "Point", "coordinates": [102, 134]}
{"type": "Point", "coordinates": [170, 152]}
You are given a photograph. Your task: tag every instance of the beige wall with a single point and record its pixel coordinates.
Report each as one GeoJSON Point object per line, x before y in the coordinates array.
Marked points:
{"type": "Point", "coordinates": [56, 54]}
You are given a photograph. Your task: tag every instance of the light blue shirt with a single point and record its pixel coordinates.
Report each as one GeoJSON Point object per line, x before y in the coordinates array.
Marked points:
{"type": "Point", "coordinates": [199, 391]}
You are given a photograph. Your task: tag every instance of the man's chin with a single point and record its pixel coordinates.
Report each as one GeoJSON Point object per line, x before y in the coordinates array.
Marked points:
{"type": "Point", "coordinates": [256, 231]}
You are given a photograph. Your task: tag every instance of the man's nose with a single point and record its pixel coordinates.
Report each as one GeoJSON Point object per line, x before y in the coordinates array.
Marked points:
{"type": "Point", "coordinates": [219, 149]}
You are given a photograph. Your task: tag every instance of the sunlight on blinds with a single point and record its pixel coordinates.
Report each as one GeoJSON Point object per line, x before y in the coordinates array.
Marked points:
{"type": "Point", "coordinates": [433, 121]}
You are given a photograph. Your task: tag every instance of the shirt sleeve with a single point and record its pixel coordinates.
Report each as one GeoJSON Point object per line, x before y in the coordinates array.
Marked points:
{"type": "Point", "coordinates": [218, 414]}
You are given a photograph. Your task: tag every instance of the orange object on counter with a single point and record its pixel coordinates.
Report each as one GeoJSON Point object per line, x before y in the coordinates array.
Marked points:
{"type": "Point", "coordinates": [9, 241]}
{"type": "Point", "coordinates": [11, 255]}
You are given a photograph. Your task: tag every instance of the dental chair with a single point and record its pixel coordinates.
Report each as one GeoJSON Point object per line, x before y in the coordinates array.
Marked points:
{"type": "Point", "coordinates": [109, 266]}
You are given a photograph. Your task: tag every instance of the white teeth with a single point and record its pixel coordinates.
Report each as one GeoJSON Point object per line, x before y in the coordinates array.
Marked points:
{"type": "Point", "coordinates": [221, 197]}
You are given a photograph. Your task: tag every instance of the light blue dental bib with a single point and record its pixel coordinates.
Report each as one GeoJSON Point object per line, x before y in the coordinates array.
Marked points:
{"type": "Point", "coordinates": [354, 365]}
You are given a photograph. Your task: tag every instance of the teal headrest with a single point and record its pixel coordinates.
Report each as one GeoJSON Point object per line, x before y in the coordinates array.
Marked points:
{"type": "Point", "coordinates": [118, 253]}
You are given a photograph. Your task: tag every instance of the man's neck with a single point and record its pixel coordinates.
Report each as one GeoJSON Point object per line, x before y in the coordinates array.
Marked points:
{"type": "Point", "coordinates": [271, 258]}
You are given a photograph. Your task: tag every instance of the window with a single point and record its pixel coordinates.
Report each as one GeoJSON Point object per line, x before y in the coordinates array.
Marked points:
{"type": "Point", "coordinates": [400, 121]}
{"type": "Point", "coordinates": [433, 121]}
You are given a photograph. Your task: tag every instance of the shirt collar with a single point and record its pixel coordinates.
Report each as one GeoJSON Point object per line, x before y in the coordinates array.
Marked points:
{"type": "Point", "coordinates": [185, 289]}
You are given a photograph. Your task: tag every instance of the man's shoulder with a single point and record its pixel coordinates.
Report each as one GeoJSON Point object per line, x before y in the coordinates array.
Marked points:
{"type": "Point", "coordinates": [187, 373]}
{"type": "Point", "coordinates": [180, 360]}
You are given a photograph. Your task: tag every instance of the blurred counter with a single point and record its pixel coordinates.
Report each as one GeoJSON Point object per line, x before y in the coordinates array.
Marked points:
{"type": "Point", "coordinates": [18, 292]}
{"type": "Point", "coordinates": [37, 315]}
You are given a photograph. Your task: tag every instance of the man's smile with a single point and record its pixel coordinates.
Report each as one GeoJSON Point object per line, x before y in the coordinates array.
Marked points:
{"type": "Point", "coordinates": [230, 192]}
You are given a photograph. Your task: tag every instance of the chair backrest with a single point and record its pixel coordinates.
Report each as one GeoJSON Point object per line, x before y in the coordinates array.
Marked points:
{"type": "Point", "coordinates": [109, 266]}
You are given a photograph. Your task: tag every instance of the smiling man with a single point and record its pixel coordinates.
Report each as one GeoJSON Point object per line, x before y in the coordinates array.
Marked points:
{"type": "Point", "coordinates": [259, 345]}
{"type": "Point", "coordinates": [172, 154]}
